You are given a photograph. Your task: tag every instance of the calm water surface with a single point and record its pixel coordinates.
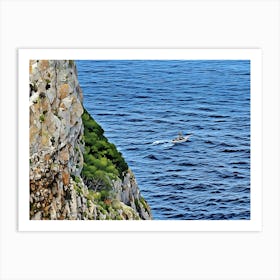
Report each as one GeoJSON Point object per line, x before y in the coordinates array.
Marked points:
{"type": "Point", "coordinates": [142, 105]}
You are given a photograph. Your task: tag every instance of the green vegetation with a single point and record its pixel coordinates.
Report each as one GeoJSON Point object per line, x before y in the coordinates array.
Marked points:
{"type": "Point", "coordinates": [78, 189]}
{"type": "Point", "coordinates": [102, 161]}
{"type": "Point", "coordinates": [76, 179]}
{"type": "Point", "coordinates": [137, 205]}
{"type": "Point", "coordinates": [42, 118]}
{"type": "Point", "coordinates": [144, 203]}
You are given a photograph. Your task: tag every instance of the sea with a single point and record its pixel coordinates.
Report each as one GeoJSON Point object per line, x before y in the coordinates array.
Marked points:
{"type": "Point", "coordinates": [143, 104]}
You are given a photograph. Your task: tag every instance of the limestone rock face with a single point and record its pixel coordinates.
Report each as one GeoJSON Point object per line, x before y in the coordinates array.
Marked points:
{"type": "Point", "coordinates": [56, 133]}
{"type": "Point", "coordinates": [56, 148]}
{"type": "Point", "coordinates": [128, 192]}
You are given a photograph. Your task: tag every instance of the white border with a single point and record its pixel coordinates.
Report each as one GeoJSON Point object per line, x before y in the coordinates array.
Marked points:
{"type": "Point", "coordinates": [254, 55]}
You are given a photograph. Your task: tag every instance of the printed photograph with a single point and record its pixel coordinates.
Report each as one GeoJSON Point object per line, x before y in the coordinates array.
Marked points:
{"type": "Point", "coordinates": [139, 139]}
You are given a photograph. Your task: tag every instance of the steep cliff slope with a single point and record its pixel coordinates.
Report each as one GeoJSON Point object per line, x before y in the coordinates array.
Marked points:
{"type": "Point", "coordinates": [75, 173]}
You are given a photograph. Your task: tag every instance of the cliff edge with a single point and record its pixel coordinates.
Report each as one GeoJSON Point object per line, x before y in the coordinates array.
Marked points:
{"type": "Point", "coordinates": [75, 173]}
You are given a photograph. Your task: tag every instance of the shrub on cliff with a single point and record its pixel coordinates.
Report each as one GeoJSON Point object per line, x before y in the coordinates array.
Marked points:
{"type": "Point", "coordinates": [102, 161]}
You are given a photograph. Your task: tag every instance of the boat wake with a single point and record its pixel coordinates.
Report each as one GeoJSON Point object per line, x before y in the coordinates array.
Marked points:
{"type": "Point", "coordinates": [159, 142]}
{"type": "Point", "coordinates": [164, 143]}
{"type": "Point", "coordinates": [168, 145]}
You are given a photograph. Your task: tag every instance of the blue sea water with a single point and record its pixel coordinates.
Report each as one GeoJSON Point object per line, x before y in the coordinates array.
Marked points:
{"type": "Point", "coordinates": [143, 104]}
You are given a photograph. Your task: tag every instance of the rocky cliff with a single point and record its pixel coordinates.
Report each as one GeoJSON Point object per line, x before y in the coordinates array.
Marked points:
{"type": "Point", "coordinates": [72, 175]}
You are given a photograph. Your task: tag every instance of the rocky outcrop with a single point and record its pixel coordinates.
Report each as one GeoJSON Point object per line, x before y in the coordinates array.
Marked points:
{"type": "Point", "coordinates": [128, 192]}
{"type": "Point", "coordinates": [57, 189]}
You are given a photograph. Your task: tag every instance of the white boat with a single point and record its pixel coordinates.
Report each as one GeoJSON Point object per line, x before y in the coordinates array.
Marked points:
{"type": "Point", "coordinates": [181, 139]}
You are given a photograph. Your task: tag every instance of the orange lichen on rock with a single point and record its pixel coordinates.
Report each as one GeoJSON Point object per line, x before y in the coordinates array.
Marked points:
{"type": "Point", "coordinates": [33, 133]}
{"type": "Point", "coordinates": [65, 178]}
{"type": "Point", "coordinates": [45, 140]}
{"type": "Point", "coordinates": [64, 155]}
{"type": "Point", "coordinates": [63, 91]}
{"type": "Point", "coordinates": [47, 157]}
{"type": "Point", "coordinates": [44, 65]}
